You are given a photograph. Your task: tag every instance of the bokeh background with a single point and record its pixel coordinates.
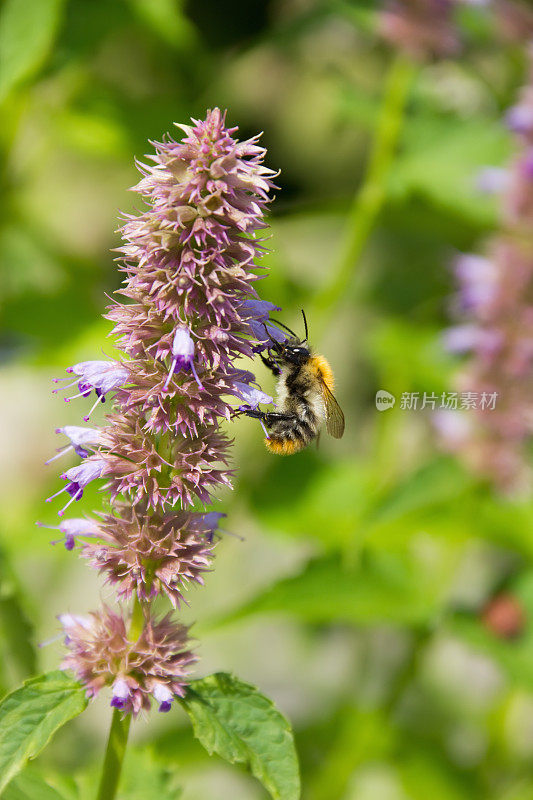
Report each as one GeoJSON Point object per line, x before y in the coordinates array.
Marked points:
{"type": "Point", "coordinates": [357, 595]}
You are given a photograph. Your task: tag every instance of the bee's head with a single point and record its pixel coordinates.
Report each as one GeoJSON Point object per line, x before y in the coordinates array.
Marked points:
{"type": "Point", "coordinates": [293, 351]}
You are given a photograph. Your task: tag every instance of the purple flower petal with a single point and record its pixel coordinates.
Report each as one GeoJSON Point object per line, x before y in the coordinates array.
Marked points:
{"type": "Point", "coordinates": [251, 395]}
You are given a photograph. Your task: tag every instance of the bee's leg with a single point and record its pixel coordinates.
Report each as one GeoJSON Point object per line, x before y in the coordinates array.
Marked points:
{"type": "Point", "coordinates": [254, 413]}
{"type": "Point", "coordinates": [267, 418]}
{"type": "Point", "coordinates": [270, 363]}
{"type": "Point", "coordinates": [276, 416]}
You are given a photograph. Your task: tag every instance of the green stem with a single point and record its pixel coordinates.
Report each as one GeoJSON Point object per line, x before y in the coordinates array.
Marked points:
{"type": "Point", "coordinates": [370, 197]}
{"type": "Point", "coordinates": [120, 726]}
{"type": "Point", "coordinates": [114, 755]}
{"type": "Point", "coordinates": [137, 620]}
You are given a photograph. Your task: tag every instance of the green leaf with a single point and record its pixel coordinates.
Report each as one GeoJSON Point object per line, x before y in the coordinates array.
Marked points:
{"type": "Point", "coordinates": [424, 774]}
{"type": "Point", "coordinates": [357, 736]}
{"type": "Point", "coordinates": [17, 631]}
{"type": "Point", "coordinates": [168, 21]}
{"type": "Point", "coordinates": [30, 786]}
{"type": "Point", "coordinates": [429, 490]}
{"type": "Point", "coordinates": [441, 159]}
{"type": "Point", "coordinates": [386, 588]}
{"type": "Point", "coordinates": [29, 717]}
{"type": "Point", "coordinates": [27, 32]}
{"type": "Point", "coordinates": [305, 499]}
{"type": "Point", "coordinates": [17, 634]}
{"type": "Point", "coordinates": [233, 719]}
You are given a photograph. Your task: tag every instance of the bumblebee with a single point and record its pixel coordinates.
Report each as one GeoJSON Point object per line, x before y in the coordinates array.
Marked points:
{"type": "Point", "coordinates": [304, 395]}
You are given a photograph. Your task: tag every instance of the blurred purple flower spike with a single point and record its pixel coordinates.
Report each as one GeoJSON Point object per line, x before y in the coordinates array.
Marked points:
{"type": "Point", "coordinates": [424, 29]}
{"type": "Point", "coordinates": [492, 180]}
{"type": "Point", "coordinates": [494, 308]}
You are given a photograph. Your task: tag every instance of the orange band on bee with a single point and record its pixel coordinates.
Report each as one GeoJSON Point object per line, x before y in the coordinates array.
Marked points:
{"type": "Point", "coordinates": [283, 447]}
{"type": "Point", "coordinates": [321, 368]}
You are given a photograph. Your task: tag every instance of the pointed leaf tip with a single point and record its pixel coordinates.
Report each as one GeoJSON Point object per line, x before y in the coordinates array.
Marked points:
{"type": "Point", "coordinates": [234, 720]}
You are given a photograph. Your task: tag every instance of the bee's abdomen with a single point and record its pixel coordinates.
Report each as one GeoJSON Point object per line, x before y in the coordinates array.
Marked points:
{"type": "Point", "coordinates": [284, 447]}
{"type": "Point", "coordinates": [291, 435]}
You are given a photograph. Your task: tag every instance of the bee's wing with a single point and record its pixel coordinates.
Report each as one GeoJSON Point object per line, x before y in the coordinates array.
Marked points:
{"type": "Point", "coordinates": [334, 415]}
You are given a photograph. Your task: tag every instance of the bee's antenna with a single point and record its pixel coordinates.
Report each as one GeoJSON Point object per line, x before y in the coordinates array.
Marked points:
{"type": "Point", "coordinates": [269, 337]}
{"type": "Point", "coordinates": [273, 345]}
{"type": "Point", "coordinates": [305, 323]}
{"type": "Point", "coordinates": [277, 322]}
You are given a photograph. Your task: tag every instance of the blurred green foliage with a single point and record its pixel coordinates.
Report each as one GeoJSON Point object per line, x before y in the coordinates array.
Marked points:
{"type": "Point", "coordinates": [356, 598]}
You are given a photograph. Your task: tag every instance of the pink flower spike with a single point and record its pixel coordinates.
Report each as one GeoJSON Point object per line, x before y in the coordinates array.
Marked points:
{"type": "Point", "coordinates": [101, 654]}
{"type": "Point", "coordinates": [189, 313]}
{"type": "Point", "coordinates": [151, 554]}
